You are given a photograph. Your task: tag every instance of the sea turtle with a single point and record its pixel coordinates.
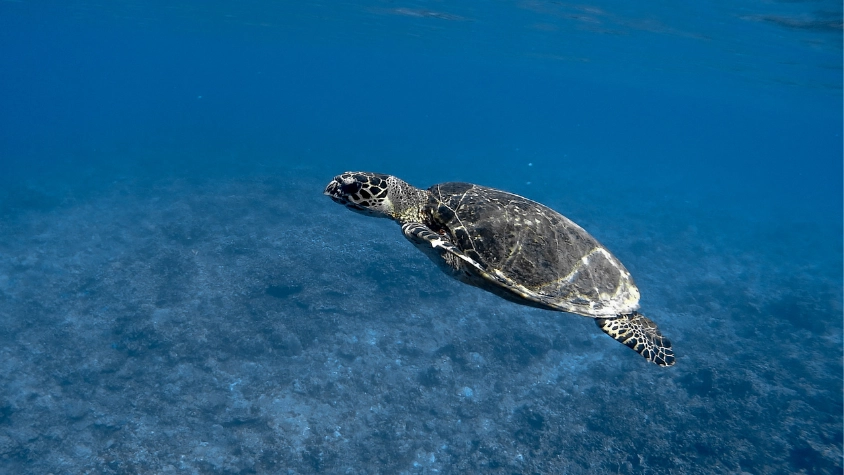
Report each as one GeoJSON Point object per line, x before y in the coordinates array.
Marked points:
{"type": "Point", "coordinates": [513, 247]}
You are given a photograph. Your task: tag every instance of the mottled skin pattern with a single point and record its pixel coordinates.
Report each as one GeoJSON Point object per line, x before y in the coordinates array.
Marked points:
{"type": "Point", "coordinates": [513, 247]}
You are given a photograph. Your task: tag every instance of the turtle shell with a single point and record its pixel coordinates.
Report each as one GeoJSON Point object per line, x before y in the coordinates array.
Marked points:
{"type": "Point", "coordinates": [531, 252]}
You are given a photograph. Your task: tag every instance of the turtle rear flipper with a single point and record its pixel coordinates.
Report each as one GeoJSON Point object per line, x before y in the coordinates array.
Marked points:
{"type": "Point", "coordinates": [641, 334]}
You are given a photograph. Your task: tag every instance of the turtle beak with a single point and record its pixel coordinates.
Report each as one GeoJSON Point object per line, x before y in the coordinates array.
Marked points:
{"type": "Point", "coordinates": [334, 190]}
{"type": "Point", "coordinates": [331, 189]}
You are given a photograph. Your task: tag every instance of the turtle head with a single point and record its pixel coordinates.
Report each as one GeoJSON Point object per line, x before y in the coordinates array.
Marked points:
{"type": "Point", "coordinates": [376, 194]}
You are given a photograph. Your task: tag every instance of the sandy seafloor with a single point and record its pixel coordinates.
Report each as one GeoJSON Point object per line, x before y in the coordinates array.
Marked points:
{"type": "Point", "coordinates": [247, 324]}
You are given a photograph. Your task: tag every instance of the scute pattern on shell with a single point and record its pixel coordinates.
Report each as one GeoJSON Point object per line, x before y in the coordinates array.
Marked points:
{"type": "Point", "coordinates": [538, 252]}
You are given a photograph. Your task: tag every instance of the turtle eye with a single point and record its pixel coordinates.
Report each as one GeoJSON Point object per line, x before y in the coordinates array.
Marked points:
{"type": "Point", "coordinates": [350, 188]}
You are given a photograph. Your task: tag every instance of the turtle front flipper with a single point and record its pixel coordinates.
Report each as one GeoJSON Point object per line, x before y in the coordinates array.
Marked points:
{"type": "Point", "coordinates": [641, 334]}
{"type": "Point", "coordinates": [454, 262]}
{"type": "Point", "coordinates": [439, 249]}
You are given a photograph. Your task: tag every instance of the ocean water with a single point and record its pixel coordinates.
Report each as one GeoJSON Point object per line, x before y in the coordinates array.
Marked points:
{"type": "Point", "coordinates": [177, 295]}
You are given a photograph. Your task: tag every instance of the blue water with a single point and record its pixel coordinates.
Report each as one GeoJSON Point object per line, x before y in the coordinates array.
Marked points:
{"type": "Point", "coordinates": [177, 296]}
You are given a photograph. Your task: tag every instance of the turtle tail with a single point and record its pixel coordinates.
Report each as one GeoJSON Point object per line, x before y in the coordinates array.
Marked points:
{"type": "Point", "coordinates": [641, 334]}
